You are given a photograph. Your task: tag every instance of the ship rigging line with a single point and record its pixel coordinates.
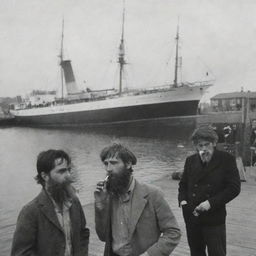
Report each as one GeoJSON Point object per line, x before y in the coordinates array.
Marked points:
{"type": "Point", "coordinates": [208, 68]}
{"type": "Point", "coordinates": [61, 60]}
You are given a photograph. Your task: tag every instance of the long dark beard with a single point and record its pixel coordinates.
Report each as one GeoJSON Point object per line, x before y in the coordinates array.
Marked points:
{"type": "Point", "coordinates": [60, 192]}
{"type": "Point", "coordinates": [118, 183]}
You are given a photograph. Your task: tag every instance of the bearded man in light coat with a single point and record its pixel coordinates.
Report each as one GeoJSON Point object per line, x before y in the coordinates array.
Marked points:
{"type": "Point", "coordinates": [132, 218]}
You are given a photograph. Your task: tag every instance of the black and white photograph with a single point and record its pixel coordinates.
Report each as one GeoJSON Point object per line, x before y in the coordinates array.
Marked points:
{"type": "Point", "coordinates": [127, 128]}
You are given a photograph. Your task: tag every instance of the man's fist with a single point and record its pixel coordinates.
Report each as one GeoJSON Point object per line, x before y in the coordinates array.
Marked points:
{"type": "Point", "coordinates": [203, 207]}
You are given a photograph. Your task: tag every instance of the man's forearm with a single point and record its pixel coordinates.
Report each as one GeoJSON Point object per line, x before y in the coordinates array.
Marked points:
{"type": "Point", "coordinates": [101, 222]}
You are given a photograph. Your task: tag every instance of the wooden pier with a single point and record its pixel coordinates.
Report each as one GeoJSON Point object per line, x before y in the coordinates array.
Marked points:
{"type": "Point", "coordinates": [241, 220]}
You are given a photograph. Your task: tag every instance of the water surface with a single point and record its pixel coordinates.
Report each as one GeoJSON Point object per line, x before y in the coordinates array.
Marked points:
{"type": "Point", "coordinates": [159, 152]}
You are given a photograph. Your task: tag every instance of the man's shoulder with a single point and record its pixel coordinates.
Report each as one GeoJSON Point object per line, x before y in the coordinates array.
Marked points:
{"type": "Point", "coordinates": [33, 205]}
{"type": "Point", "coordinates": [149, 188]}
{"type": "Point", "coordinates": [223, 157]}
{"type": "Point", "coordinates": [224, 154]}
{"type": "Point", "coordinates": [192, 157]}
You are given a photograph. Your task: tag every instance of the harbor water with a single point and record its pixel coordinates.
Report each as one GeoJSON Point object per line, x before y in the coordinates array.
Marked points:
{"type": "Point", "coordinates": [159, 153]}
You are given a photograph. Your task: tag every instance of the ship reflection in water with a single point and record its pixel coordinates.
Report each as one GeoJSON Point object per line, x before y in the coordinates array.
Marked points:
{"type": "Point", "coordinates": [159, 152]}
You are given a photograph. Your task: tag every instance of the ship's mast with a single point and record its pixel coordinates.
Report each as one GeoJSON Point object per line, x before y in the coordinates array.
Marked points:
{"type": "Point", "coordinates": [175, 82]}
{"type": "Point", "coordinates": [61, 60]}
{"type": "Point", "coordinates": [121, 55]}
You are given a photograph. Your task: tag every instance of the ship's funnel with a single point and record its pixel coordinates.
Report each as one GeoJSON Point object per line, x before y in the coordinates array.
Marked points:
{"type": "Point", "coordinates": [69, 77]}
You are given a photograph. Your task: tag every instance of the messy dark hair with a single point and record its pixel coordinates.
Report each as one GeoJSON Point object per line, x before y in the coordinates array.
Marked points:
{"type": "Point", "coordinates": [119, 151]}
{"type": "Point", "coordinates": [46, 162]}
{"type": "Point", "coordinates": [204, 133]}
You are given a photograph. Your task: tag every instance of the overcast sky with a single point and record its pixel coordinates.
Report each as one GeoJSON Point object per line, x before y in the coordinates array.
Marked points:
{"type": "Point", "coordinates": [218, 37]}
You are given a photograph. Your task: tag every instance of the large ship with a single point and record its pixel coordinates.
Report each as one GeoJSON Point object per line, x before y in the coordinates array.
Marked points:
{"type": "Point", "coordinates": [111, 106]}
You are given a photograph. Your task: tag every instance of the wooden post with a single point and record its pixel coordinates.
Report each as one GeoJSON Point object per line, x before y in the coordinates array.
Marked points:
{"type": "Point", "coordinates": [246, 131]}
{"type": "Point", "coordinates": [239, 162]}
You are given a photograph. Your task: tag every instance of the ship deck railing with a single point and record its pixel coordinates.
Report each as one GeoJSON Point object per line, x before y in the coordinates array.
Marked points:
{"type": "Point", "coordinates": [130, 92]}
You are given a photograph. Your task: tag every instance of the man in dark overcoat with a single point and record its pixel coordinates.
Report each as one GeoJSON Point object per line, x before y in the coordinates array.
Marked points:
{"type": "Point", "coordinates": [53, 223]}
{"type": "Point", "coordinates": [210, 180]}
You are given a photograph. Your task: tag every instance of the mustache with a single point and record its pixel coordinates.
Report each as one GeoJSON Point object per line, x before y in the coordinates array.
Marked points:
{"type": "Point", "coordinates": [205, 155]}
{"type": "Point", "coordinates": [202, 153]}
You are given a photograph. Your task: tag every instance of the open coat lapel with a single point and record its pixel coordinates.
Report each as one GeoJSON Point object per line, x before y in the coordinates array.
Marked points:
{"type": "Point", "coordinates": [204, 171]}
{"type": "Point", "coordinates": [138, 204]}
{"type": "Point", "coordinates": [197, 168]}
{"type": "Point", "coordinates": [47, 208]}
{"type": "Point", "coordinates": [75, 220]}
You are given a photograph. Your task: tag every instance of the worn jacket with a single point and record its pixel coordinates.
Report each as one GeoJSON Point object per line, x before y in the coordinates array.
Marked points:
{"type": "Point", "coordinates": [218, 182]}
{"type": "Point", "coordinates": [153, 228]}
{"type": "Point", "coordinates": [39, 233]}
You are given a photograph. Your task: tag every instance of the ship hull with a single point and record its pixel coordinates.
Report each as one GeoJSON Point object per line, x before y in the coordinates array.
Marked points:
{"type": "Point", "coordinates": [147, 105]}
{"type": "Point", "coordinates": [111, 115]}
